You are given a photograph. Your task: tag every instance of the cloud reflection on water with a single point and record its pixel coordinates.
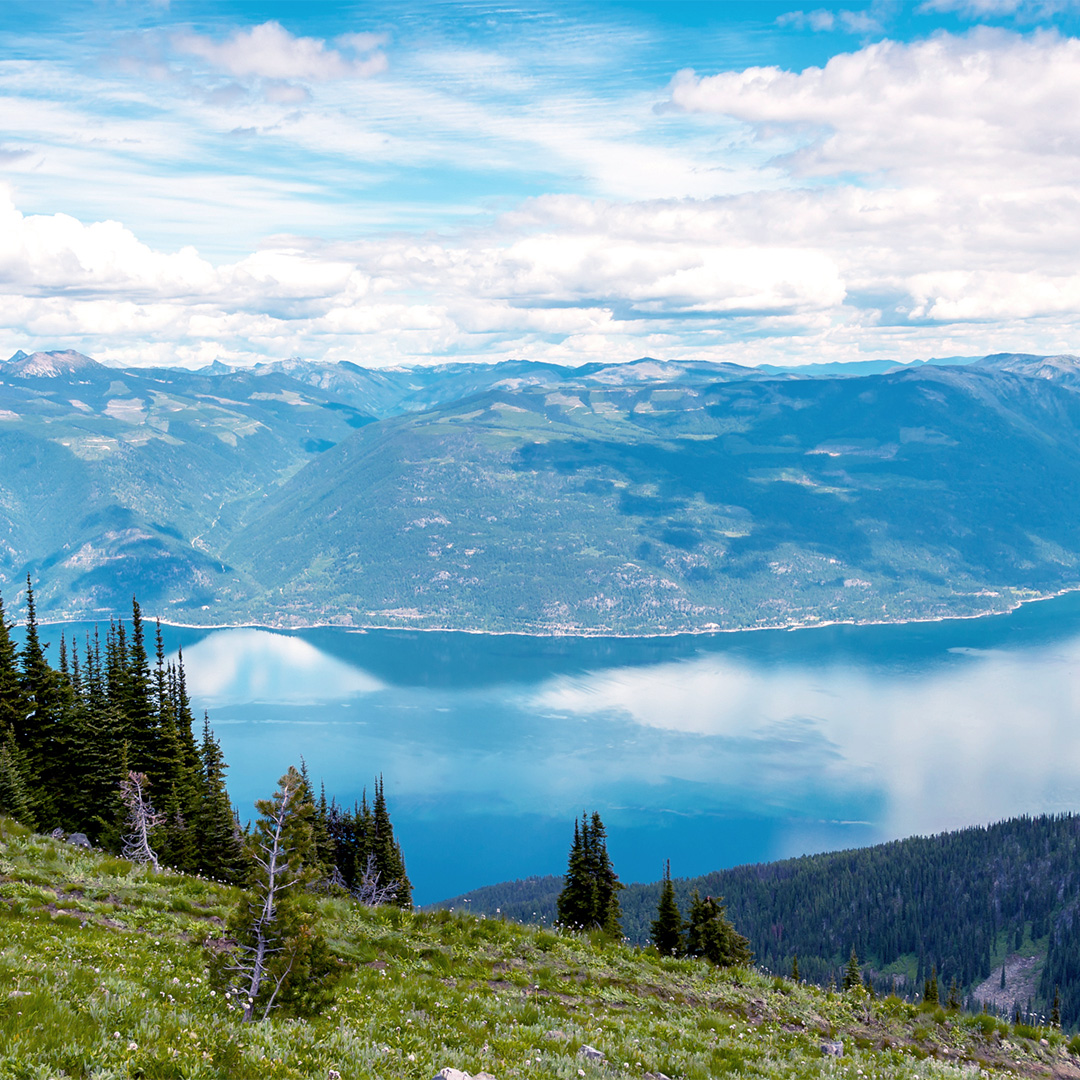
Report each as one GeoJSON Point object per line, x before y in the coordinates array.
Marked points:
{"type": "Point", "coordinates": [247, 665]}
{"type": "Point", "coordinates": [992, 734]}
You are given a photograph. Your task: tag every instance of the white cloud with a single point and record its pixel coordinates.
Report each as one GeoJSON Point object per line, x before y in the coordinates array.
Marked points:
{"type": "Point", "coordinates": [269, 51]}
{"type": "Point", "coordinates": [989, 107]}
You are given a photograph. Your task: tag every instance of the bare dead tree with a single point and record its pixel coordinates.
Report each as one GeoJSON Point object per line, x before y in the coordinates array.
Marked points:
{"type": "Point", "coordinates": [369, 891]}
{"type": "Point", "coordinates": [274, 877]}
{"type": "Point", "coordinates": [142, 819]}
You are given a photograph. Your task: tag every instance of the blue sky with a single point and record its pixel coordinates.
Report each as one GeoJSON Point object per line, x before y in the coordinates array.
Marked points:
{"type": "Point", "coordinates": [389, 184]}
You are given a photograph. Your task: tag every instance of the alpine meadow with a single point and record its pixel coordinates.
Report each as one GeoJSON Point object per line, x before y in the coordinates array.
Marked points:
{"type": "Point", "coordinates": [539, 542]}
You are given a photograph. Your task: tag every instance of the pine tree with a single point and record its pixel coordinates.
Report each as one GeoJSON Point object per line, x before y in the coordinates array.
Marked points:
{"type": "Point", "coordinates": [607, 915]}
{"type": "Point", "coordinates": [16, 800]}
{"type": "Point", "coordinates": [1055, 1009]}
{"type": "Point", "coordinates": [577, 900]}
{"type": "Point", "coordinates": [954, 1001]}
{"type": "Point", "coordinates": [667, 927]}
{"type": "Point", "coordinates": [852, 973]}
{"type": "Point", "coordinates": [930, 987]}
{"type": "Point", "coordinates": [220, 853]}
{"type": "Point", "coordinates": [37, 734]}
{"type": "Point", "coordinates": [795, 967]}
{"type": "Point", "coordinates": [712, 936]}
{"type": "Point", "coordinates": [589, 899]}
{"type": "Point", "coordinates": [13, 703]}
{"type": "Point", "coordinates": [389, 864]}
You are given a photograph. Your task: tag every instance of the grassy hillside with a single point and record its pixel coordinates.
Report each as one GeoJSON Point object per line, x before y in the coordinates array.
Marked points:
{"type": "Point", "coordinates": [964, 902]}
{"type": "Point", "coordinates": [103, 973]}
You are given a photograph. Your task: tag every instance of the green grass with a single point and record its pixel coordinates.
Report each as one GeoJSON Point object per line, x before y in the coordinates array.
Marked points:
{"type": "Point", "coordinates": [103, 973]}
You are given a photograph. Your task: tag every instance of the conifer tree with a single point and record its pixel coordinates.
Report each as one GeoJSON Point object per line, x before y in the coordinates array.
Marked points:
{"type": "Point", "coordinates": [667, 927]}
{"type": "Point", "coordinates": [36, 735]}
{"type": "Point", "coordinates": [590, 896]}
{"type": "Point", "coordinates": [389, 862]}
{"type": "Point", "coordinates": [221, 853]}
{"type": "Point", "coordinates": [15, 796]}
{"type": "Point", "coordinates": [711, 935]}
{"type": "Point", "coordinates": [1055, 1009]}
{"type": "Point", "coordinates": [577, 900]}
{"type": "Point", "coordinates": [280, 960]}
{"type": "Point", "coordinates": [954, 1001]}
{"type": "Point", "coordinates": [13, 704]}
{"type": "Point", "coordinates": [607, 915]}
{"type": "Point", "coordinates": [930, 987]}
{"type": "Point", "coordinates": [795, 967]}
{"type": "Point", "coordinates": [852, 973]}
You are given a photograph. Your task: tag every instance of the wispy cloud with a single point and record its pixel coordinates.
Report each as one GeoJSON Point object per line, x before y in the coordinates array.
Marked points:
{"type": "Point", "coordinates": [248, 192]}
{"type": "Point", "coordinates": [269, 51]}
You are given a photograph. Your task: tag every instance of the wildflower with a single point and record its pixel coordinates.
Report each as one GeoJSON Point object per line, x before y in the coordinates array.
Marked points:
{"type": "Point", "coordinates": [133, 1046]}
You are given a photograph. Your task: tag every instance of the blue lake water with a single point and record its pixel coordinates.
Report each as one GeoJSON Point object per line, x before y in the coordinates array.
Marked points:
{"type": "Point", "coordinates": [710, 751]}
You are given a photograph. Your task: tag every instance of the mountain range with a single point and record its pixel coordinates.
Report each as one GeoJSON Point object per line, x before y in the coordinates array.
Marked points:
{"type": "Point", "coordinates": [647, 497]}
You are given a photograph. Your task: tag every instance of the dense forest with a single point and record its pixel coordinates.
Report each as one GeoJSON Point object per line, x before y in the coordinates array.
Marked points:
{"type": "Point", "coordinates": [71, 736]}
{"type": "Point", "coordinates": [957, 903]}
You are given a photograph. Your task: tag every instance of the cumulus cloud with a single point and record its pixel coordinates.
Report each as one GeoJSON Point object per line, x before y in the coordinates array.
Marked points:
{"type": "Point", "coordinates": [904, 199]}
{"type": "Point", "coordinates": [269, 51]}
{"type": "Point", "coordinates": [990, 105]}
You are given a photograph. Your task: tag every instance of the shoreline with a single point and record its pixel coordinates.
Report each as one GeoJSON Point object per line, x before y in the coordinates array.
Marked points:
{"type": "Point", "coordinates": [575, 633]}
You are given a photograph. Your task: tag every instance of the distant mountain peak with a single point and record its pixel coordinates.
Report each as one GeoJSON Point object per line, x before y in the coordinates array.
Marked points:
{"type": "Point", "coordinates": [50, 365]}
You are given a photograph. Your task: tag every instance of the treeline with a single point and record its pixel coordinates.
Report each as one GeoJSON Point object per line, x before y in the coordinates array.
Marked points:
{"type": "Point", "coordinates": [70, 736]}
{"type": "Point", "coordinates": [956, 904]}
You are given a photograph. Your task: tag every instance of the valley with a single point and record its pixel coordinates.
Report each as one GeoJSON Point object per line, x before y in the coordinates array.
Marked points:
{"type": "Point", "coordinates": [647, 498]}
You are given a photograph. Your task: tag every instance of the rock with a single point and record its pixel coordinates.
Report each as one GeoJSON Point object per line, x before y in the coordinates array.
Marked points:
{"type": "Point", "coordinates": [451, 1074]}
{"type": "Point", "coordinates": [590, 1053]}
{"type": "Point", "coordinates": [656, 1076]}
{"type": "Point", "coordinates": [555, 1033]}
{"type": "Point", "coordinates": [483, 1076]}
{"type": "Point", "coordinates": [79, 840]}
{"type": "Point", "coordinates": [832, 1049]}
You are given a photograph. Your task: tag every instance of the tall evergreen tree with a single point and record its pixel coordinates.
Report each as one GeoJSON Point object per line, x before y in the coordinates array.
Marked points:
{"type": "Point", "coordinates": [930, 987]}
{"type": "Point", "coordinates": [220, 854]}
{"type": "Point", "coordinates": [577, 900]}
{"type": "Point", "coordinates": [852, 973]}
{"type": "Point", "coordinates": [667, 927]}
{"type": "Point", "coordinates": [590, 896]}
{"type": "Point", "coordinates": [389, 862]}
{"type": "Point", "coordinates": [13, 702]}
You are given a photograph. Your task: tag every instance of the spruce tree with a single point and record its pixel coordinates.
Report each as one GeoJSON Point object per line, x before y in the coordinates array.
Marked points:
{"type": "Point", "coordinates": [16, 800]}
{"type": "Point", "coordinates": [667, 927]}
{"type": "Point", "coordinates": [1055, 1009]}
{"type": "Point", "coordinates": [13, 703]}
{"type": "Point", "coordinates": [389, 862]}
{"type": "Point", "coordinates": [711, 935]}
{"type": "Point", "coordinates": [37, 734]}
{"type": "Point", "coordinates": [220, 852]}
{"type": "Point", "coordinates": [930, 987]}
{"type": "Point", "coordinates": [852, 974]}
{"type": "Point", "coordinates": [795, 967]}
{"type": "Point", "coordinates": [577, 900]}
{"type": "Point", "coordinates": [607, 914]}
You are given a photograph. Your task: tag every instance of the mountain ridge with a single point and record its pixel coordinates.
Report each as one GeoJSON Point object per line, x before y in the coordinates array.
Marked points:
{"type": "Point", "coordinates": [646, 498]}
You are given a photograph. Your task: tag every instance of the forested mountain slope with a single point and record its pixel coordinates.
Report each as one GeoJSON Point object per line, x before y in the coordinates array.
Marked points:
{"type": "Point", "coordinates": [635, 498]}
{"type": "Point", "coordinates": [960, 902]}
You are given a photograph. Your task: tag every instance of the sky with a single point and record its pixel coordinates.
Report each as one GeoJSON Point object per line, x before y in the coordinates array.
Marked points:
{"type": "Point", "coordinates": [184, 182]}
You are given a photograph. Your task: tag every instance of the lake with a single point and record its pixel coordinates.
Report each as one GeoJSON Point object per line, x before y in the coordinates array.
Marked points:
{"type": "Point", "coordinates": [708, 750]}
